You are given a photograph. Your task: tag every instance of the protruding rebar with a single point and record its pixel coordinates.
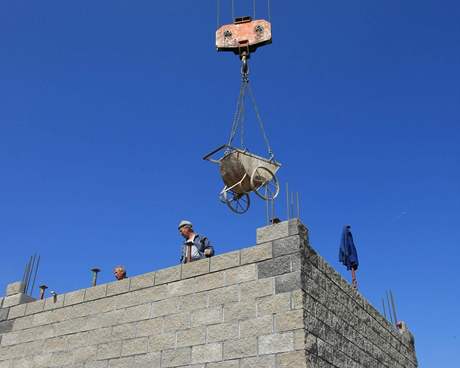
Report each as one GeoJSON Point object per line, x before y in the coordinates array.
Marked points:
{"type": "Point", "coordinates": [95, 271]}
{"type": "Point", "coordinates": [287, 201]}
{"type": "Point", "coordinates": [394, 307]}
{"type": "Point", "coordinates": [42, 291]}
{"type": "Point", "coordinates": [54, 294]}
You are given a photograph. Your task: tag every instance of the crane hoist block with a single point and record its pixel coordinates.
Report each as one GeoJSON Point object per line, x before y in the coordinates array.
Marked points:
{"type": "Point", "coordinates": [244, 34]}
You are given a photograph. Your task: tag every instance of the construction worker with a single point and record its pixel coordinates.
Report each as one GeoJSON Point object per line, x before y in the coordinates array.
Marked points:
{"type": "Point", "coordinates": [195, 246]}
{"type": "Point", "coordinates": [119, 273]}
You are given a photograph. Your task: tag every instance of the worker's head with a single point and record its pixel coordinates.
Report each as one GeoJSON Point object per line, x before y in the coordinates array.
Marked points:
{"type": "Point", "coordinates": [185, 228]}
{"type": "Point", "coordinates": [119, 272]}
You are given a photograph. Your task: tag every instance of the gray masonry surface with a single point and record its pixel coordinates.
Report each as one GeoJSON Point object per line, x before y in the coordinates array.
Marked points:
{"type": "Point", "coordinates": [275, 305]}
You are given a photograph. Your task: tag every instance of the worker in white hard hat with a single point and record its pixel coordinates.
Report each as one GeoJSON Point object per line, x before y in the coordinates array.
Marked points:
{"type": "Point", "coordinates": [195, 246]}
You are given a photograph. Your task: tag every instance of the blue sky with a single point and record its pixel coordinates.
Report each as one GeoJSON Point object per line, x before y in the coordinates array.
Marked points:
{"type": "Point", "coordinates": [107, 107]}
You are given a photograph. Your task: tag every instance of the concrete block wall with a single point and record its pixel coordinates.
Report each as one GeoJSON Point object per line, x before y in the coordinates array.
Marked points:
{"type": "Point", "coordinates": [274, 305]}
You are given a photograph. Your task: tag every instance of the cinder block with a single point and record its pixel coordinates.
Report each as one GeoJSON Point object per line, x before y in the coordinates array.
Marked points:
{"type": "Point", "coordinates": [125, 331]}
{"type": "Point", "coordinates": [176, 357]}
{"type": "Point", "coordinates": [266, 361]}
{"type": "Point", "coordinates": [150, 360]}
{"type": "Point", "coordinates": [256, 326]}
{"type": "Point", "coordinates": [149, 327]}
{"type": "Point", "coordinates": [226, 364]}
{"type": "Point", "coordinates": [225, 295]}
{"type": "Point", "coordinates": [84, 354]}
{"type": "Point", "coordinates": [190, 337]}
{"type": "Point", "coordinates": [74, 297]}
{"type": "Point", "coordinates": [288, 321]}
{"type": "Point", "coordinates": [234, 349]}
{"type": "Point", "coordinates": [95, 292]}
{"type": "Point", "coordinates": [109, 350]}
{"type": "Point", "coordinates": [207, 316]}
{"type": "Point", "coordinates": [136, 313]}
{"type": "Point", "coordinates": [126, 362]}
{"type": "Point", "coordinates": [281, 230]}
{"type": "Point", "coordinates": [175, 322]}
{"type": "Point", "coordinates": [240, 274]}
{"type": "Point", "coordinates": [258, 253]}
{"type": "Point", "coordinates": [192, 302]}
{"type": "Point", "coordinates": [55, 344]}
{"type": "Point", "coordinates": [274, 267]}
{"type": "Point", "coordinates": [278, 343]}
{"type": "Point", "coordinates": [225, 261]}
{"type": "Point", "coordinates": [168, 275]}
{"type": "Point", "coordinates": [160, 342]}
{"type": "Point", "coordinates": [165, 307]}
{"type": "Point", "coordinates": [207, 353]}
{"type": "Point", "coordinates": [195, 268]}
{"type": "Point", "coordinates": [118, 287]}
{"type": "Point", "coordinates": [282, 247]}
{"type": "Point", "coordinates": [15, 288]}
{"type": "Point", "coordinates": [288, 282]}
{"type": "Point", "coordinates": [256, 289]}
{"type": "Point", "coordinates": [142, 281]}
{"type": "Point", "coordinates": [239, 311]}
{"type": "Point", "coordinates": [17, 311]}
{"type": "Point", "coordinates": [16, 299]}
{"type": "Point", "coordinates": [61, 359]}
{"type": "Point", "coordinates": [54, 303]}
{"type": "Point", "coordinates": [223, 331]}
{"type": "Point", "coordinates": [135, 346]}
{"type": "Point", "coordinates": [295, 359]}
{"type": "Point", "coordinates": [273, 304]}
{"type": "Point", "coordinates": [4, 314]}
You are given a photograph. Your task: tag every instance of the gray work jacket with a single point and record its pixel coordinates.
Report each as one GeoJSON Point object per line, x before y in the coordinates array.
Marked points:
{"type": "Point", "coordinates": [201, 243]}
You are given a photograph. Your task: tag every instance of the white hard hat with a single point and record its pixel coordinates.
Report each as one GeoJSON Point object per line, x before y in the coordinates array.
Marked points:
{"type": "Point", "coordinates": [185, 223]}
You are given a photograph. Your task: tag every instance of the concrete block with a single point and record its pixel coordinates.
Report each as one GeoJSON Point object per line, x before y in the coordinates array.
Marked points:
{"type": "Point", "coordinates": [224, 295]}
{"type": "Point", "coordinates": [286, 246]}
{"type": "Point", "coordinates": [126, 362]}
{"type": "Point", "coordinates": [165, 307]}
{"type": "Point", "coordinates": [17, 311]}
{"type": "Point", "coordinates": [168, 275]}
{"type": "Point", "coordinates": [223, 331]}
{"type": "Point", "coordinates": [84, 354]}
{"type": "Point", "coordinates": [207, 353]}
{"type": "Point", "coordinates": [142, 281]}
{"type": "Point", "coordinates": [277, 343]}
{"type": "Point", "coordinates": [176, 357]}
{"type": "Point", "coordinates": [135, 346]}
{"type": "Point", "coordinates": [109, 350]}
{"type": "Point", "coordinates": [15, 288]}
{"type": "Point", "coordinates": [274, 267]}
{"type": "Point", "coordinates": [288, 282]}
{"type": "Point", "coordinates": [4, 314]}
{"type": "Point", "coordinates": [190, 337]}
{"type": "Point", "coordinates": [192, 302]}
{"type": "Point", "coordinates": [125, 331]}
{"type": "Point", "coordinates": [16, 299]}
{"type": "Point", "coordinates": [207, 316]}
{"type": "Point", "coordinates": [225, 261]}
{"type": "Point", "coordinates": [74, 297]}
{"type": "Point", "coordinates": [55, 344]}
{"type": "Point", "coordinates": [35, 307]}
{"type": "Point", "coordinates": [281, 230]}
{"type": "Point", "coordinates": [95, 292]}
{"type": "Point", "coordinates": [258, 253]}
{"type": "Point", "coordinates": [234, 349]}
{"type": "Point", "coordinates": [256, 326]}
{"type": "Point", "coordinates": [118, 287]}
{"type": "Point", "coordinates": [136, 313]}
{"type": "Point", "coordinates": [240, 274]}
{"type": "Point", "coordinates": [288, 321]}
{"type": "Point", "coordinates": [295, 359]}
{"type": "Point", "coordinates": [175, 322]}
{"type": "Point", "coordinates": [195, 268]}
{"type": "Point", "coordinates": [273, 304]}
{"type": "Point", "coordinates": [160, 342]}
{"type": "Point", "coordinates": [149, 327]}
{"type": "Point", "coordinates": [61, 359]}
{"type": "Point", "coordinates": [239, 311]}
{"type": "Point", "coordinates": [54, 303]}
{"type": "Point", "coordinates": [226, 364]}
{"type": "Point", "coordinates": [266, 361]}
{"type": "Point", "coordinates": [150, 360]}
{"type": "Point", "coordinates": [256, 289]}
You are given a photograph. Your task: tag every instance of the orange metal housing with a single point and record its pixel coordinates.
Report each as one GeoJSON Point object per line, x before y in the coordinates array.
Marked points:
{"type": "Point", "coordinates": [244, 34]}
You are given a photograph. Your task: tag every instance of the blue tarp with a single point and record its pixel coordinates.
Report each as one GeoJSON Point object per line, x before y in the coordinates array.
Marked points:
{"type": "Point", "coordinates": [347, 253]}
